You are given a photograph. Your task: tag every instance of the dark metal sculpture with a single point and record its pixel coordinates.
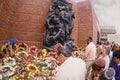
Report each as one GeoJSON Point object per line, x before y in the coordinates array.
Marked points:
{"type": "Point", "coordinates": [59, 24]}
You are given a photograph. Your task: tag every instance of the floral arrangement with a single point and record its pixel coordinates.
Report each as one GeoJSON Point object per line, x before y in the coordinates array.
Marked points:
{"type": "Point", "coordinates": [26, 66]}
{"type": "Point", "coordinates": [78, 53]}
{"type": "Point", "coordinates": [9, 61]}
{"type": "Point", "coordinates": [23, 47]}
{"type": "Point", "coordinates": [33, 50]}
{"type": "Point", "coordinates": [7, 72]}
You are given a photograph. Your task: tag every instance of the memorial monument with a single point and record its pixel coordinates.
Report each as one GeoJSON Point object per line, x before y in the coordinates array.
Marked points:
{"type": "Point", "coordinates": [59, 25]}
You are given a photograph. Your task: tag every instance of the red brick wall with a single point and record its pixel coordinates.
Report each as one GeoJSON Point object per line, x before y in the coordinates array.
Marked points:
{"type": "Point", "coordinates": [26, 20]}
{"type": "Point", "coordinates": [30, 18]}
{"type": "Point", "coordinates": [87, 23]}
{"type": "Point", "coordinates": [85, 26]}
{"type": "Point", "coordinates": [6, 9]}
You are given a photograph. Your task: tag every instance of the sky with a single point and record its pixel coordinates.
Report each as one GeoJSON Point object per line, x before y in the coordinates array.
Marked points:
{"type": "Point", "coordinates": [108, 12]}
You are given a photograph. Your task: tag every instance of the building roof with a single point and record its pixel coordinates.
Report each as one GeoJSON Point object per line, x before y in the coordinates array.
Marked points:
{"type": "Point", "coordinates": [108, 29]}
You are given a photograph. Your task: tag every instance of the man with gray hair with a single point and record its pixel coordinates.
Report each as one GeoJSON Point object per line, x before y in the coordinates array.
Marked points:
{"type": "Point", "coordinates": [70, 68]}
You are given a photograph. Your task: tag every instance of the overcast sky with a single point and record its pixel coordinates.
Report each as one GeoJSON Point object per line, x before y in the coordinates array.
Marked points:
{"type": "Point", "coordinates": [108, 12]}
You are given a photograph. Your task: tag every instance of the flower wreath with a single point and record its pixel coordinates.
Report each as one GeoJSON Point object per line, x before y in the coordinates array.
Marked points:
{"type": "Point", "coordinates": [8, 71]}
{"type": "Point", "coordinates": [23, 46]}
{"type": "Point", "coordinates": [22, 55]}
{"type": "Point", "coordinates": [9, 61]}
{"type": "Point", "coordinates": [56, 46]}
{"type": "Point", "coordinates": [42, 54]}
{"type": "Point", "coordinates": [20, 70]}
{"type": "Point", "coordinates": [33, 48]}
{"type": "Point", "coordinates": [33, 68]}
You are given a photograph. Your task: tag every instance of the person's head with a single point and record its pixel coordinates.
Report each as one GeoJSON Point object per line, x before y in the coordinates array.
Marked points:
{"type": "Point", "coordinates": [62, 54]}
{"type": "Point", "coordinates": [107, 43]}
{"type": "Point", "coordinates": [89, 40]}
{"type": "Point", "coordinates": [116, 46]}
{"type": "Point", "coordinates": [99, 65]}
{"type": "Point", "coordinates": [102, 42]}
{"type": "Point", "coordinates": [116, 56]}
{"type": "Point", "coordinates": [70, 45]}
{"type": "Point", "coordinates": [105, 50]}
{"type": "Point", "coordinates": [107, 74]}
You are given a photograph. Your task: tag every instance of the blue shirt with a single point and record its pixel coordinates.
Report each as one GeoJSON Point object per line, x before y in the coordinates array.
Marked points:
{"type": "Point", "coordinates": [117, 70]}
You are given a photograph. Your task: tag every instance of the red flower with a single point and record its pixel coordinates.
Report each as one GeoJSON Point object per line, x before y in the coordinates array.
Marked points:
{"type": "Point", "coordinates": [56, 46]}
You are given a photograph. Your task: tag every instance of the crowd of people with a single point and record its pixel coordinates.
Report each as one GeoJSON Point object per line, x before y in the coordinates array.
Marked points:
{"type": "Point", "coordinates": [98, 62]}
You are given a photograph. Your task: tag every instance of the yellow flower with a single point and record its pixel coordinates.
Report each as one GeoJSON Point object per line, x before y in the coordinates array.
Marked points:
{"type": "Point", "coordinates": [3, 47]}
{"type": "Point", "coordinates": [31, 74]}
{"type": "Point", "coordinates": [53, 72]}
{"type": "Point", "coordinates": [22, 75]}
{"type": "Point", "coordinates": [22, 55]}
{"type": "Point", "coordinates": [23, 52]}
{"type": "Point", "coordinates": [16, 78]}
{"type": "Point", "coordinates": [32, 67]}
{"type": "Point", "coordinates": [43, 52]}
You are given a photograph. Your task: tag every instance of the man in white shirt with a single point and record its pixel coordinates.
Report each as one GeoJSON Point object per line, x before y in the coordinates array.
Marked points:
{"type": "Point", "coordinates": [70, 68]}
{"type": "Point", "coordinates": [90, 54]}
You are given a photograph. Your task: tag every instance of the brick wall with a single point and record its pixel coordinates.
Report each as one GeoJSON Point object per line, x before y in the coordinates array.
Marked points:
{"type": "Point", "coordinates": [6, 8]}
{"type": "Point", "coordinates": [29, 21]}
{"type": "Point", "coordinates": [85, 26]}
{"type": "Point", "coordinates": [25, 20]}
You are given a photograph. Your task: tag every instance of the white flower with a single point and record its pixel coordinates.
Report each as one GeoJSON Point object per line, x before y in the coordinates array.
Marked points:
{"type": "Point", "coordinates": [9, 61]}
{"type": "Point", "coordinates": [8, 71]}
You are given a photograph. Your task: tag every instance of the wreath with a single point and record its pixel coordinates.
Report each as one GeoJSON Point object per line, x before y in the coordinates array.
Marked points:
{"type": "Point", "coordinates": [22, 47]}
{"type": "Point", "coordinates": [9, 61]}
{"type": "Point", "coordinates": [8, 71]}
{"type": "Point", "coordinates": [32, 68]}
{"type": "Point", "coordinates": [22, 55]}
{"type": "Point", "coordinates": [33, 50]}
